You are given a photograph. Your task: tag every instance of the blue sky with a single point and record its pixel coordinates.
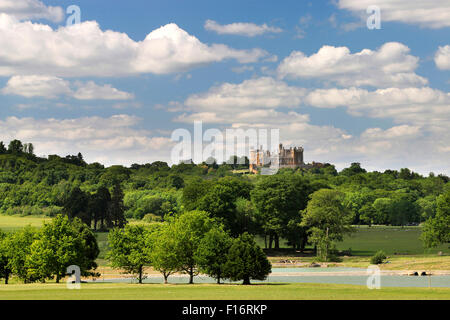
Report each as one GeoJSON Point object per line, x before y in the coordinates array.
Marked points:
{"type": "Point", "coordinates": [314, 70]}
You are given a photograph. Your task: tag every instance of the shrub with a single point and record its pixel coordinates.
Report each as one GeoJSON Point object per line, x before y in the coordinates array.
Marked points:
{"type": "Point", "coordinates": [378, 258]}
{"type": "Point", "coordinates": [151, 218]}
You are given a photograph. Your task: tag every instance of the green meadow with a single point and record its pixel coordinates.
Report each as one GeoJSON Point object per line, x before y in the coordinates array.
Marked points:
{"type": "Point", "coordinates": [278, 291]}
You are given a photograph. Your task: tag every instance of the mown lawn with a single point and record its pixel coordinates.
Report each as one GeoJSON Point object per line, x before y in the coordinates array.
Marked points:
{"type": "Point", "coordinates": [392, 240]}
{"type": "Point", "coordinates": [276, 291]}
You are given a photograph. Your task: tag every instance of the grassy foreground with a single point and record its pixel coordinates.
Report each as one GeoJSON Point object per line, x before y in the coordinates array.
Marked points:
{"type": "Point", "coordinates": [278, 291]}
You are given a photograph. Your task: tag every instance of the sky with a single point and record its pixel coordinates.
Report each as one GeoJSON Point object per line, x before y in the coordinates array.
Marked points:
{"type": "Point", "coordinates": [117, 84]}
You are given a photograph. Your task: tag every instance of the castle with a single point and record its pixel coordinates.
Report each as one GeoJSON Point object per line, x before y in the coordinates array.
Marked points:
{"type": "Point", "coordinates": [286, 158]}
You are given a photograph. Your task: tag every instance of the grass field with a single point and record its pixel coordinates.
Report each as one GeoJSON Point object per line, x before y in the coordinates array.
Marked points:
{"type": "Point", "coordinates": [392, 240]}
{"type": "Point", "coordinates": [402, 245]}
{"type": "Point", "coordinates": [278, 291]}
{"type": "Point", "coordinates": [13, 223]}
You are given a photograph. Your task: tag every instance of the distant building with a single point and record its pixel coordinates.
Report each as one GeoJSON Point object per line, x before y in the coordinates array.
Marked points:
{"type": "Point", "coordinates": [286, 158]}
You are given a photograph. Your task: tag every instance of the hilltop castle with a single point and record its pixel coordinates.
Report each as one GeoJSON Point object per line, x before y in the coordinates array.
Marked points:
{"type": "Point", "coordinates": [286, 158]}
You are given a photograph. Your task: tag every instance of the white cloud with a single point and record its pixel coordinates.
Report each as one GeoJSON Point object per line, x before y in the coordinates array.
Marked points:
{"type": "Point", "coordinates": [423, 106]}
{"type": "Point", "coordinates": [442, 58]}
{"type": "Point", "coordinates": [241, 28]}
{"type": "Point", "coordinates": [389, 66]}
{"type": "Point", "coordinates": [429, 14]}
{"type": "Point", "coordinates": [31, 9]}
{"type": "Point", "coordinates": [37, 86]}
{"type": "Point", "coordinates": [92, 91]}
{"type": "Point", "coordinates": [422, 117]}
{"type": "Point", "coordinates": [112, 140]}
{"type": "Point", "coordinates": [263, 92]}
{"type": "Point", "coordinates": [51, 87]}
{"type": "Point", "coordinates": [86, 50]}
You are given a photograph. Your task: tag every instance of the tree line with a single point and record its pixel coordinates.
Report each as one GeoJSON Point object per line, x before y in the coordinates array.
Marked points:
{"type": "Point", "coordinates": [38, 255]}
{"type": "Point", "coordinates": [274, 207]}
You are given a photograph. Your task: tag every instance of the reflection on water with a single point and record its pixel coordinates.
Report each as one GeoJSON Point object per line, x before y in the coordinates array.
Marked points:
{"type": "Point", "coordinates": [346, 278]}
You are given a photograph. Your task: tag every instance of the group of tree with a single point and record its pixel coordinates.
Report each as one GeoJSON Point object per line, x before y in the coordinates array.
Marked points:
{"type": "Point", "coordinates": [17, 147]}
{"type": "Point", "coordinates": [191, 243]}
{"type": "Point", "coordinates": [273, 207]}
{"type": "Point", "coordinates": [100, 210]}
{"type": "Point", "coordinates": [37, 255]}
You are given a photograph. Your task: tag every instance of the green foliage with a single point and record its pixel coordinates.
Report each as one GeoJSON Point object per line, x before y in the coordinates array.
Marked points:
{"type": "Point", "coordinates": [188, 229]}
{"type": "Point", "coordinates": [327, 219]}
{"type": "Point", "coordinates": [19, 249]}
{"type": "Point", "coordinates": [164, 252]}
{"type": "Point", "coordinates": [59, 244]}
{"type": "Point", "coordinates": [378, 258]}
{"type": "Point", "coordinates": [211, 254]}
{"type": "Point", "coordinates": [5, 257]}
{"type": "Point", "coordinates": [130, 249]}
{"type": "Point", "coordinates": [246, 261]}
{"type": "Point", "coordinates": [436, 230]}
{"type": "Point", "coordinates": [278, 199]}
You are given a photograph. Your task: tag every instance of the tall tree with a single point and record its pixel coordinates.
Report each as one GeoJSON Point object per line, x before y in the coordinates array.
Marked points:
{"type": "Point", "coordinates": [76, 206]}
{"type": "Point", "coordinates": [5, 257]}
{"type": "Point", "coordinates": [436, 230]}
{"type": "Point", "coordinates": [116, 208]}
{"type": "Point", "coordinates": [327, 219]}
{"type": "Point", "coordinates": [188, 229]}
{"type": "Point", "coordinates": [164, 252]}
{"type": "Point", "coordinates": [19, 249]}
{"type": "Point", "coordinates": [211, 254]}
{"type": "Point", "coordinates": [130, 249]}
{"type": "Point", "coordinates": [60, 244]}
{"type": "Point", "coordinates": [15, 147]}
{"type": "Point", "coordinates": [278, 199]}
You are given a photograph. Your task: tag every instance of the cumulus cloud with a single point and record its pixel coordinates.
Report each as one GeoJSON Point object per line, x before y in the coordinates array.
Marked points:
{"type": "Point", "coordinates": [112, 140]}
{"type": "Point", "coordinates": [389, 66]}
{"type": "Point", "coordinates": [425, 106]}
{"type": "Point", "coordinates": [442, 58]}
{"type": "Point", "coordinates": [51, 87]}
{"type": "Point", "coordinates": [421, 117]}
{"type": "Point", "coordinates": [86, 50]}
{"type": "Point", "coordinates": [31, 9]}
{"type": "Point", "coordinates": [429, 14]}
{"type": "Point", "coordinates": [93, 91]}
{"type": "Point", "coordinates": [241, 28]}
{"type": "Point", "coordinates": [37, 86]}
{"type": "Point", "coordinates": [263, 92]}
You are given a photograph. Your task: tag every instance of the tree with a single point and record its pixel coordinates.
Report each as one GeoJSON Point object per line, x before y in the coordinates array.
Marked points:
{"type": "Point", "coordinates": [15, 147]}
{"type": "Point", "coordinates": [130, 249]}
{"type": "Point", "coordinates": [76, 205]}
{"type": "Point", "coordinates": [436, 230]}
{"type": "Point", "coordinates": [163, 255]}
{"type": "Point", "coordinates": [211, 254]}
{"type": "Point", "coordinates": [60, 244]}
{"type": "Point", "coordinates": [327, 219]}
{"type": "Point", "coordinates": [188, 229]}
{"type": "Point", "coordinates": [277, 200]}
{"type": "Point", "coordinates": [355, 168]}
{"type": "Point", "coordinates": [2, 148]}
{"type": "Point", "coordinates": [5, 268]}
{"type": "Point", "coordinates": [18, 249]}
{"type": "Point", "coordinates": [98, 206]}
{"type": "Point", "coordinates": [246, 261]}
{"type": "Point", "coordinates": [220, 201]}
{"type": "Point", "coordinates": [116, 208]}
